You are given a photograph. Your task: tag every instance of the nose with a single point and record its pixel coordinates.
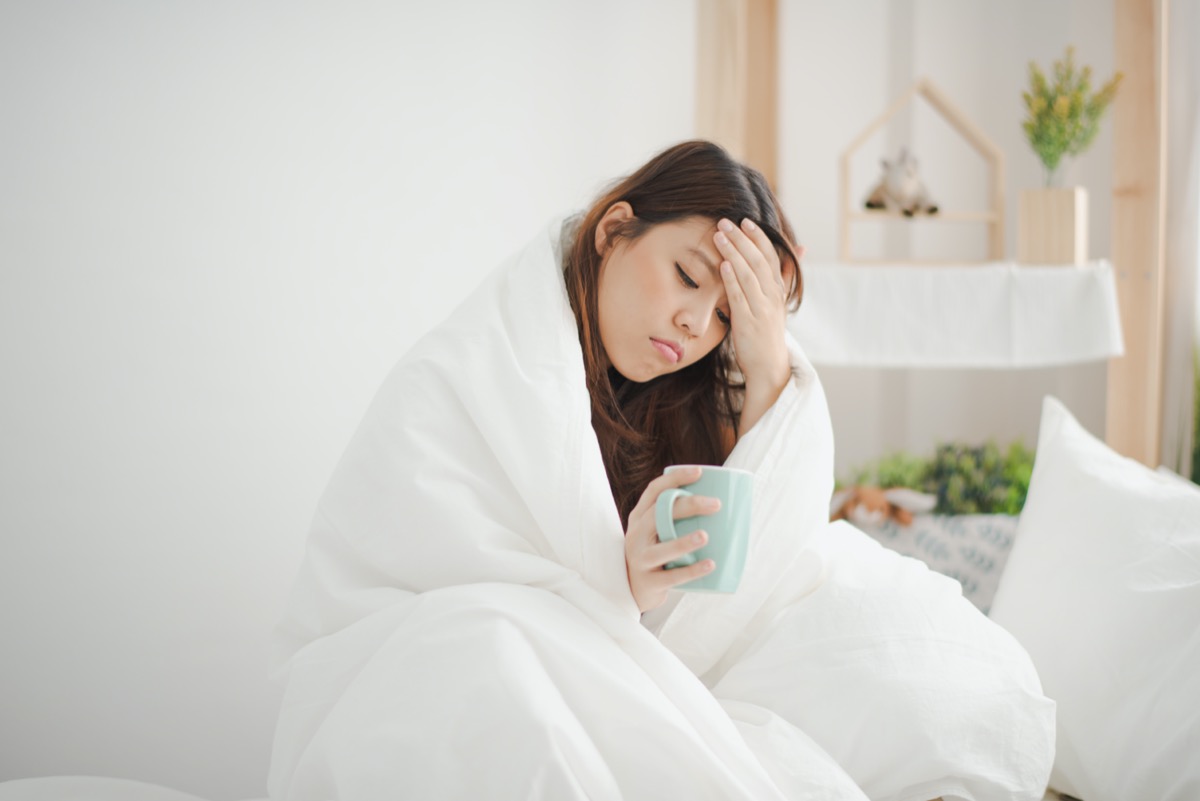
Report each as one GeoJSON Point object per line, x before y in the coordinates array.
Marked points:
{"type": "Point", "coordinates": [695, 318]}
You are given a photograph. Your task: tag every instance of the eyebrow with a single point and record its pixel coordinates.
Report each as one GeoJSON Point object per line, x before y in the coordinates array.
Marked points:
{"type": "Point", "coordinates": [702, 256]}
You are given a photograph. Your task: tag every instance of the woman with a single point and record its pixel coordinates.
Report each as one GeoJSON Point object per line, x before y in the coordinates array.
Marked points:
{"type": "Point", "coordinates": [468, 622]}
{"type": "Point", "coordinates": [663, 299]}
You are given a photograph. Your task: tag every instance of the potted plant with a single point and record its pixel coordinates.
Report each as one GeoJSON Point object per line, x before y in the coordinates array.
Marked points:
{"type": "Point", "coordinates": [1062, 118]}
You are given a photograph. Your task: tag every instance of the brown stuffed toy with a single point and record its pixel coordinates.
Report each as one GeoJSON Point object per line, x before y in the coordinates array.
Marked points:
{"type": "Point", "coordinates": [873, 506]}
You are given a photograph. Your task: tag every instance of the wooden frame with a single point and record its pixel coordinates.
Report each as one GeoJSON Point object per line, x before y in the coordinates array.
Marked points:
{"type": "Point", "coordinates": [736, 80]}
{"type": "Point", "coordinates": [1135, 380]}
{"type": "Point", "coordinates": [993, 217]}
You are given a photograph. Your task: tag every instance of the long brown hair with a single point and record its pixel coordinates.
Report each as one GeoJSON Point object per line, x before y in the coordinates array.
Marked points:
{"type": "Point", "coordinates": [680, 417]}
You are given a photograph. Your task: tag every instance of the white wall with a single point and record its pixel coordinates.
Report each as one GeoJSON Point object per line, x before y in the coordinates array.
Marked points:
{"type": "Point", "coordinates": [842, 65]}
{"type": "Point", "coordinates": [220, 224]}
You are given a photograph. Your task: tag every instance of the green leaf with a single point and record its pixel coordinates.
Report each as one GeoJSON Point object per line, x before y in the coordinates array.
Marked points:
{"type": "Point", "coordinates": [1063, 118]}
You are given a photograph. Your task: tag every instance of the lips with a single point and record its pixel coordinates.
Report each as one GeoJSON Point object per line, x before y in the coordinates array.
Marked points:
{"type": "Point", "coordinates": [670, 350]}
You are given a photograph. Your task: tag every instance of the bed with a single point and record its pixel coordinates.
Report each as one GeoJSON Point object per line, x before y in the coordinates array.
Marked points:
{"type": "Point", "coordinates": [1101, 586]}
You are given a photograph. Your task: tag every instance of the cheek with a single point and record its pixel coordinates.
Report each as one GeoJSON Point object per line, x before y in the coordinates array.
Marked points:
{"type": "Point", "coordinates": [715, 338]}
{"type": "Point", "coordinates": [637, 298]}
{"type": "Point", "coordinates": [639, 293]}
{"type": "Point", "coordinates": [660, 290]}
{"type": "Point", "coordinates": [618, 303]}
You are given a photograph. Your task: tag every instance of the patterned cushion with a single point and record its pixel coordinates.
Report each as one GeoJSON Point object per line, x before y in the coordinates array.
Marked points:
{"type": "Point", "coordinates": [971, 549]}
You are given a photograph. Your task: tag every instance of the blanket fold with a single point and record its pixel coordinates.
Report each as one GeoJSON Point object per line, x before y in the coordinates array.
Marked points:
{"type": "Point", "coordinates": [462, 626]}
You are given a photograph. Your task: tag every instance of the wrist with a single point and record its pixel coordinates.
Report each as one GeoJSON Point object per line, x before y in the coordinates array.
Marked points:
{"type": "Point", "coordinates": [768, 383]}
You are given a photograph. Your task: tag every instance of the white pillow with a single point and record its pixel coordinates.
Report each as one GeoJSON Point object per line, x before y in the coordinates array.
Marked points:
{"type": "Point", "coordinates": [1103, 589]}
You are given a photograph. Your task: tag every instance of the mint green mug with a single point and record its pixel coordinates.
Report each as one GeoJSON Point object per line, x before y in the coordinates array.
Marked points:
{"type": "Point", "coordinates": [728, 529]}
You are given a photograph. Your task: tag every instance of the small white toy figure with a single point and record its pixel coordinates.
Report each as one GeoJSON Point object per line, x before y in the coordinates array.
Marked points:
{"type": "Point", "coordinates": [900, 188]}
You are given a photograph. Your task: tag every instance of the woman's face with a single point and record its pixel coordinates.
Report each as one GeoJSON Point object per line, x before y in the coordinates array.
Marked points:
{"type": "Point", "coordinates": [662, 303]}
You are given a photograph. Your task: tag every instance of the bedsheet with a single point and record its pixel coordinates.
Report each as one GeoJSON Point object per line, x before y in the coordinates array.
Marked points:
{"type": "Point", "coordinates": [89, 788]}
{"type": "Point", "coordinates": [462, 626]}
{"type": "Point", "coordinates": [96, 788]}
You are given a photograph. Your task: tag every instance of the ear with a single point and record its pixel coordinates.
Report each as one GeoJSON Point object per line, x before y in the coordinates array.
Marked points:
{"type": "Point", "coordinates": [617, 213]}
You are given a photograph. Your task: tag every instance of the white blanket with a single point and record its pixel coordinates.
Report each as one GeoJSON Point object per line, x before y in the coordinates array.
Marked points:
{"type": "Point", "coordinates": [463, 628]}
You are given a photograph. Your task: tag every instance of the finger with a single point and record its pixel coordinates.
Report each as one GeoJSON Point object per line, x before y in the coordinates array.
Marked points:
{"type": "Point", "coordinates": [775, 271]}
{"type": "Point", "coordinates": [757, 235]}
{"type": "Point", "coordinates": [757, 249]}
{"type": "Point", "coordinates": [681, 575]}
{"type": "Point", "coordinates": [695, 505]}
{"type": "Point", "coordinates": [658, 555]}
{"type": "Point", "coordinates": [739, 306]}
{"type": "Point", "coordinates": [764, 244]}
{"type": "Point", "coordinates": [673, 478]}
{"type": "Point", "coordinates": [740, 257]}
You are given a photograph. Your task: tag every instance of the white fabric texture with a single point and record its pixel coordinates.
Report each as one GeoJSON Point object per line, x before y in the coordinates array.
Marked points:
{"type": "Point", "coordinates": [87, 788]}
{"type": "Point", "coordinates": [463, 627]}
{"type": "Point", "coordinates": [998, 315]}
{"type": "Point", "coordinates": [1103, 588]}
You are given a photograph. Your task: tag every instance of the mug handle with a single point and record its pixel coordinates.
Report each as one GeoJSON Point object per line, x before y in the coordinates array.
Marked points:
{"type": "Point", "coordinates": [664, 522]}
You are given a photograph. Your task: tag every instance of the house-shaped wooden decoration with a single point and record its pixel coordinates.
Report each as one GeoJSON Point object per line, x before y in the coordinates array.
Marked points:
{"type": "Point", "coordinates": [994, 217]}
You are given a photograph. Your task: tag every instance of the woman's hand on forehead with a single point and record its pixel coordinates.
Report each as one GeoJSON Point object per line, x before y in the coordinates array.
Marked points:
{"type": "Point", "coordinates": [757, 302]}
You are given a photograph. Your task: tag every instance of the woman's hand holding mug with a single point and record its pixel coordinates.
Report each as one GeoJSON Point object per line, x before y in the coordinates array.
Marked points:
{"type": "Point", "coordinates": [645, 556]}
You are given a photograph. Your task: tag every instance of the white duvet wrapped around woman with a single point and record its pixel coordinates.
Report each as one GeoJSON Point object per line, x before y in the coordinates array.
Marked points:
{"type": "Point", "coordinates": [482, 612]}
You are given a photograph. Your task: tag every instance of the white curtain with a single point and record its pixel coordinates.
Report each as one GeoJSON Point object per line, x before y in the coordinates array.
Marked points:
{"type": "Point", "coordinates": [1182, 232]}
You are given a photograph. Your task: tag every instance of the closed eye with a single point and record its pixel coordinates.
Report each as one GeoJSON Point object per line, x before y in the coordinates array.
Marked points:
{"type": "Point", "coordinates": [690, 284]}
{"type": "Point", "coordinates": [685, 278]}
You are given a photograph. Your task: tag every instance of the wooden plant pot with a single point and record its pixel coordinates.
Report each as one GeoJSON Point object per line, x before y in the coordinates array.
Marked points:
{"type": "Point", "coordinates": [1053, 226]}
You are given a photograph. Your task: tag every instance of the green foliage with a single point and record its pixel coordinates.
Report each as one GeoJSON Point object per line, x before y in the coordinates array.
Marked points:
{"type": "Point", "coordinates": [1063, 116]}
{"type": "Point", "coordinates": [966, 479]}
{"type": "Point", "coordinates": [895, 470]}
{"type": "Point", "coordinates": [1196, 419]}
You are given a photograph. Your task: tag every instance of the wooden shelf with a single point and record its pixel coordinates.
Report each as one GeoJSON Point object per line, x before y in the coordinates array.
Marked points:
{"type": "Point", "coordinates": [974, 136]}
{"type": "Point", "coordinates": [917, 263]}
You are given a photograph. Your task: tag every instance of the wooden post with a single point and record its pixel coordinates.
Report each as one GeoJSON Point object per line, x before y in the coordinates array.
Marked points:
{"type": "Point", "coordinates": [737, 98]}
{"type": "Point", "coordinates": [1135, 380]}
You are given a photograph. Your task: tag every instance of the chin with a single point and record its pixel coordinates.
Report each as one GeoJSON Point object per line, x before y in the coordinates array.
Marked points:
{"type": "Point", "coordinates": [640, 373]}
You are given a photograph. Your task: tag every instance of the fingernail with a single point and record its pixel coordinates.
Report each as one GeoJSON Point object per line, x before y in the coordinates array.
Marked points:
{"type": "Point", "coordinates": [698, 537]}
{"type": "Point", "coordinates": [726, 268]}
{"type": "Point", "coordinates": [749, 224]}
{"type": "Point", "coordinates": [712, 505]}
{"type": "Point", "coordinates": [709, 565]}
{"type": "Point", "coordinates": [697, 471]}
{"type": "Point", "coordinates": [725, 225]}
{"type": "Point", "coordinates": [722, 238]}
